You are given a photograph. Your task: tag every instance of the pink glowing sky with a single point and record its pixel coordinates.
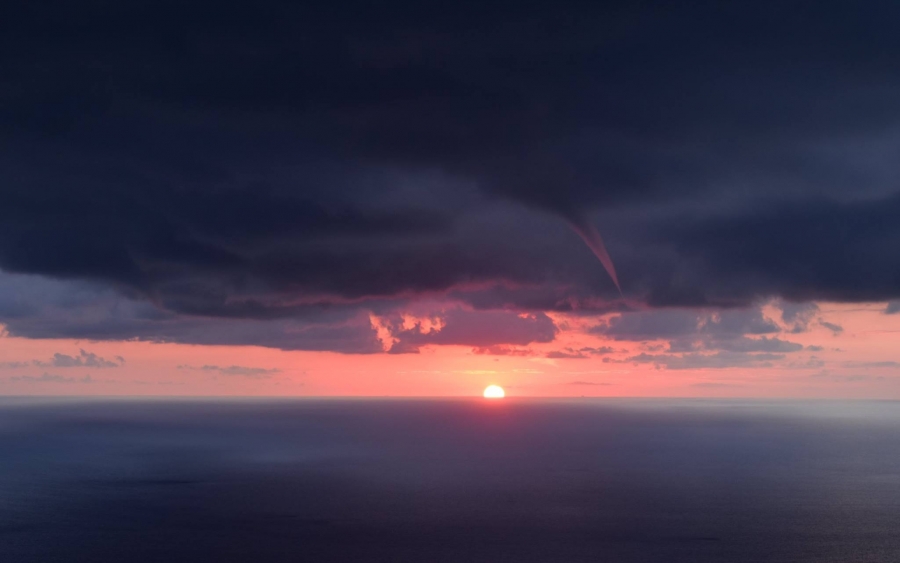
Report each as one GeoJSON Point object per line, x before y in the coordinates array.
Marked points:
{"type": "Point", "coordinates": [844, 350]}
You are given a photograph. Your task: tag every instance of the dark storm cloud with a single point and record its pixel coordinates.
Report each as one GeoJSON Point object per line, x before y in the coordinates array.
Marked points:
{"type": "Point", "coordinates": [892, 308]}
{"type": "Point", "coordinates": [816, 249]}
{"type": "Point", "coordinates": [290, 167]}
{"type": "Point", "coordinates": [36, 307]}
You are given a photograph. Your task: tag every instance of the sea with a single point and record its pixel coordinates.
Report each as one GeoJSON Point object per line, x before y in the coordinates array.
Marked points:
{"type": "Point", "coordinates": [448, 480]}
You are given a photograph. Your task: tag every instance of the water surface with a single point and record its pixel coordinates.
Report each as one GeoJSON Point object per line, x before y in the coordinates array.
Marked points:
{"type": "Point", "coordinates": [449, 481]}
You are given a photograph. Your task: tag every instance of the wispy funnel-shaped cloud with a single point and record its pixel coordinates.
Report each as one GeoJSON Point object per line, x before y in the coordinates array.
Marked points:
{"type": "Point", "coordinates": [588, 232]}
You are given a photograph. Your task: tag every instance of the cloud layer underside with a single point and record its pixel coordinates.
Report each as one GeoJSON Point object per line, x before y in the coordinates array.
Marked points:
{"type": "Point", "coordinates": [294, 168]}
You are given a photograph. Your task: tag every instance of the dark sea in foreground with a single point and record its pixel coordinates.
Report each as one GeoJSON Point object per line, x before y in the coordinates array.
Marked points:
{"type": "Point", "coordinates": [425, 481]}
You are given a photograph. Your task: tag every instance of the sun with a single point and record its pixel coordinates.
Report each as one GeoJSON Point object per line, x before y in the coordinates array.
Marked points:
{"type": "Point", "coordinates": [494, 392]}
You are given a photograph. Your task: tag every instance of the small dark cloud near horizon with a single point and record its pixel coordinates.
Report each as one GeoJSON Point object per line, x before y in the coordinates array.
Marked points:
{"type": "Point", "coordinates": [272, 173]}
{"type": "Point", "coordinates": [845, 378]}
{"type": "Point", "coordinates": [716, 360]}
{"type": "Point", "coordinates": [579, 353]}
{"type": "Point", "coordinates": [715, 385]}
{"type": "Point", "coordinates": [84, 359]}
{"type": "Point", "coordinates": [245, 371]}
{"type": "Point", "coordinates": [868, 365]}
{"type": "Point", "coordinates": [501, 350]}
{"type": "Point", "coordinates": [52, 378]}
{"type": "Point", "coordinates": [762, 344]}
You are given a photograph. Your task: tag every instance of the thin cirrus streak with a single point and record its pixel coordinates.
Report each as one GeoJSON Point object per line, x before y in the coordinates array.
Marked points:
{"type": "Point", "coordinates": [591, 236]}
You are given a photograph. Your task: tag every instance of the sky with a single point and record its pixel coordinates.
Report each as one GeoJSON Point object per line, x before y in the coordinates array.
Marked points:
{"type": "Point", "coordinates": [408, 198]}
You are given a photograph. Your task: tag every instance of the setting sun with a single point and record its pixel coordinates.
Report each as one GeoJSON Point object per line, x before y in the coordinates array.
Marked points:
{"type": "Point", "coordinates": [494, 392]}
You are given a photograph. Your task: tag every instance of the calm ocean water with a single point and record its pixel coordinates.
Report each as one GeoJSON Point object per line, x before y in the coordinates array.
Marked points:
{"type": "Point", "coordinates": [449, 481]}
